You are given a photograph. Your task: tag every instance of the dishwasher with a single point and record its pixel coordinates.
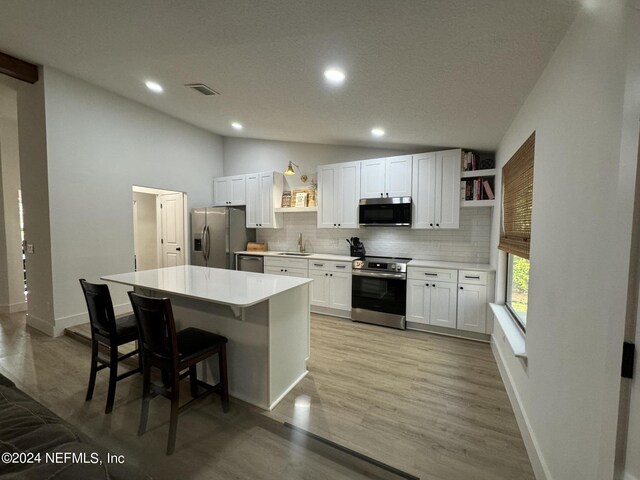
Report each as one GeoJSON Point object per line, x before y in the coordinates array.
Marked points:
{"type": "Point", "coordinates": [250, 263]}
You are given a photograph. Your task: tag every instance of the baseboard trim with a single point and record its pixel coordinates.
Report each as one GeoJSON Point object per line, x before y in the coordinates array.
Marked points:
{"type": "Point", "coordinates": [10, 308]}
{"type": "Point", "coordinates": [540, 468]}
{"type": "Point", "coordinates": [333, 312]}
{"type": "Point", "coordinates": [40, 324]}
{"type": "Point", "coordinates": [449, 332]}
{"type": "Point", "coordinates": [62, 323]}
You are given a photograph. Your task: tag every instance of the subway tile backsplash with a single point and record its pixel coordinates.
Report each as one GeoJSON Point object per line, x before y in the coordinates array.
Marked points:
{"type": "Point", "coordinates": [470, 243]}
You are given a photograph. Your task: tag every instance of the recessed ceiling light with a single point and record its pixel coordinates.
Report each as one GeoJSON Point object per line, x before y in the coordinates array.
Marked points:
{"type": "Point", "coordinates": [154, 87]}
{"type": "Point", "coordinates": [377, 132]}
{"type": "Point", "coordinates": [334, 76]}
{"type": "Point", "coordinates": [236, 125]}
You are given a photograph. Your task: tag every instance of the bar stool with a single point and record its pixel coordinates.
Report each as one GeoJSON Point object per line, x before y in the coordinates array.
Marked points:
{"type": "Point", "coordinates": [110, 331]}
{"type": "Point", "coordinates": [174, 353]}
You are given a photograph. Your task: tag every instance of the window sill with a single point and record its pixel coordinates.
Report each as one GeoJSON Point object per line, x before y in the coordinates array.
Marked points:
{"type": "Point", "coordinates": [515, 336]}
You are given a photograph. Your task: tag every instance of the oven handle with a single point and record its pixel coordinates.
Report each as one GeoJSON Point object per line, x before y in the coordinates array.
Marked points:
{"type": "Point", "coordinates": [359, 273]}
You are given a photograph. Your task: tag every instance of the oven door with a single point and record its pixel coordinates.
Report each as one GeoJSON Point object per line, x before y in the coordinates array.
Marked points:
{"type": "Point", "coordinates": [379, 292]}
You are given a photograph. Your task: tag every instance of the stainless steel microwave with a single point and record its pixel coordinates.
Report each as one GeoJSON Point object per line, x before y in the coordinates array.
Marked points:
{"type": "Point", "coordinates": [394, 211]}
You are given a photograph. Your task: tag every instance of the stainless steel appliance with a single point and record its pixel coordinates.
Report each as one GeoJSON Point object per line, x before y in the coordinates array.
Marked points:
{"type": "Point", "coordinates": [379, 291]}
{"type": "Point", "coordinates": [391, 211]}
{"type": "Point", "coordinates": [216, 233]}
{"type": "Point", "coordinates": [251, 263]}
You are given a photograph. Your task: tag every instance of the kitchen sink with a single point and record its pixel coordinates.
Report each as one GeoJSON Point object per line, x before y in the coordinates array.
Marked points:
{"type": "Point", "coordinates": [296, 254]}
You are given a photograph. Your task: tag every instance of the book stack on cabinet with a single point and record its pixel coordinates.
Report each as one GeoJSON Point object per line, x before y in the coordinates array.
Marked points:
{"type": "Point", "coordinates": [477, 181]}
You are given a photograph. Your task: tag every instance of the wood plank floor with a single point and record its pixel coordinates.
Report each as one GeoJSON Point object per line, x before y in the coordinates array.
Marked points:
{"type": "Point", "coordinates": [429, 405]}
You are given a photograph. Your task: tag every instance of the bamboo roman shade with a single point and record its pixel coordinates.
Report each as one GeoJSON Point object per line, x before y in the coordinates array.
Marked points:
{"type": "Point", "coordinates": [517, 200]}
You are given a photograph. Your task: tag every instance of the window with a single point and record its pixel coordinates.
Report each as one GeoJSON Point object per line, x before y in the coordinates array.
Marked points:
{"type": "Point", "coordinates": [517, 294]}
{"type": "Point", "coordinates": [515, 235]}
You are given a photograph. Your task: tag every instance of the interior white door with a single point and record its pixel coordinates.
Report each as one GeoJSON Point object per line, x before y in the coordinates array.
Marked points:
{"type": "Point", "coordinates": [172, 228]}
{"type": "Point", "coordinates": [136, 239]}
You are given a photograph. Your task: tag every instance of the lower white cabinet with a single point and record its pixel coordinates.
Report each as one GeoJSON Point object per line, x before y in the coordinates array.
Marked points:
{"type": "Point", "coordinates": [290, 272]}
{"type": "Point", "coordinates": [331, 287]}
{"type": "Point", "coordinates": [472, 308]}
{"type": "Point", "coordinates": [432, 303]}
{"type": "Point", "coordinates": [456, 299]}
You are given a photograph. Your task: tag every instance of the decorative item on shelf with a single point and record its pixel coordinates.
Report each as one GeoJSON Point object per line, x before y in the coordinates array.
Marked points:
{"type": "Point", "coordinates": [310, 196]}
{"type": "Point", "coordinates": [301, 199]}
{"type": "Point", "coordinates": [289, 171]}
{"type": "Point", "coordinates": [486, 164]}
{"type": "Point", "coordinates": [286, 199]}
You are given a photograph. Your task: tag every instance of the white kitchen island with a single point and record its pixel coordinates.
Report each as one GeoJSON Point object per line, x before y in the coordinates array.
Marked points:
{"type": "Point", "coordinates": [265, 318]}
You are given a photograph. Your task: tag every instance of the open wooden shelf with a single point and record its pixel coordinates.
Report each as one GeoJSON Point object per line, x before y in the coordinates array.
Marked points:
{"type": "Point", "coordinates": [477, 203]}
{"type": "Point", "coordinates": [295, 209]}
{"type": "Point", "coordinates": [478, 173]}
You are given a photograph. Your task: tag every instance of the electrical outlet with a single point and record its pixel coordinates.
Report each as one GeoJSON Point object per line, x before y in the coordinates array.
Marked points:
{"type": "Point", "coordinates": [29, 248]}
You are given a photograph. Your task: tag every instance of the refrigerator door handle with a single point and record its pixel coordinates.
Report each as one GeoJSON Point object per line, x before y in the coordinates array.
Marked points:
{"type": "Point", "coordinates": [207, 244]}
{"type": "Point", "coordinates": [204, 241]}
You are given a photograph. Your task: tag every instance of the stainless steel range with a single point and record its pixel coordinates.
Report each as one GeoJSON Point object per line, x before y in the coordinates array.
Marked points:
{"type": "Point", "coordinates": [379, 291]}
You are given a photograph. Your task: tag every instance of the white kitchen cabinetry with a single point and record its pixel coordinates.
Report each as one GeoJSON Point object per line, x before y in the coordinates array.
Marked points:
{"type": "Point", "coordinates": [431, 303]}
{"type": "Point", "coordinates": [436, 189]}
{"type": "Point", "coordinates": [229, 191]}
{"type": "Point", "coordinates": [331, 289]}
{"type": "Point", "coordinates": [472, 301]}
{"type": "Point", "coordinates": [338, 195]}
{"type": "Point", "coordinates": [386, 177]}
{"type": "Point", "coordinates": [263, 193]}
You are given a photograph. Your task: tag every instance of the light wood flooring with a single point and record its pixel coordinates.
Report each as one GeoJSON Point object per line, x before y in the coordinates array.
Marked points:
{"type": "Point", "coordinates": [432, 406]}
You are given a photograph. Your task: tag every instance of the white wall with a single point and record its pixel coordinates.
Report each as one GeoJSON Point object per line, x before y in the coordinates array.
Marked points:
{"type": "Point", "coordinates": [98, 146]}
{"type": "Point", "coordinates": [147, 231]}
{"type": "Point", "coordinates": [248, 155]}
{"type": "Point", "coordinates": [568, 395]}
{"type": "Point", "coordinates": [469, 243]}
{"type": "Point", "coordinates": [11, 272]}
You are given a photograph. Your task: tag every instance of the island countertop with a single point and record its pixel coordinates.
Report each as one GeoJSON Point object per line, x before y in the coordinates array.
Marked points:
{"type": "Point", "coordinates": [226, 287]}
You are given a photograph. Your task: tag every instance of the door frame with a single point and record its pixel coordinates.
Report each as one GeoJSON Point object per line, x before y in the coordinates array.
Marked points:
{"type": "Point", "coordinates": [185, 217]}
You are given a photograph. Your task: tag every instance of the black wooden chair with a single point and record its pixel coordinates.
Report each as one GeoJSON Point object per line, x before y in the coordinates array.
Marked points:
{"type": "Point", "coordinates": [174, 353]}
{"type": "Point", "coordinates": [111, 332]}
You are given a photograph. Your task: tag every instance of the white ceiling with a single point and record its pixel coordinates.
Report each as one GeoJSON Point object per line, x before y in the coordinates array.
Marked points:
{"type": "Point", "coordinates": [431, 72]}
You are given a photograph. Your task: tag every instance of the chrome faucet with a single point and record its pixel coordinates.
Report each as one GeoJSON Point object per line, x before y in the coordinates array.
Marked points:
{"type": "Point", "coordinates": [300, 244]}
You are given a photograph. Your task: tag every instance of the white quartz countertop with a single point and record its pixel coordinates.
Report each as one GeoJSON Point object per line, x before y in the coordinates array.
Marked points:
{"type": "Point", "coordinates": [483, 267]}
{"type": "Point", "coordinates": [313, 256]}
{"type": "Point", "coordinates": [226, 287]}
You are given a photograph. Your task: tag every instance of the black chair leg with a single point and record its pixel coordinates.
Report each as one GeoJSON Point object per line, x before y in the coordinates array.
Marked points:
{"type": "Point", "coordinates": [222, 361]}
{"type": "Point", "coordinates": [193, 381]}
{"type": "Point", "coordinates": [94, 370]}
{"type": "Point", "coordinates": [113, 375]}
{"type": "Point", "coordinates": [173, 423]}
{"type": "Point", "coordinates": [146, 398]}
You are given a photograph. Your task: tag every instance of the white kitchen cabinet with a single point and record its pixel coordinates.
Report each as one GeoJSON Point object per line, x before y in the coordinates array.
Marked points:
{"type": "Point", "coordinates": [436, 190]}
{"type": "Point", "coordinates": [472, 308]}
{"type": "Point", "coordinates": [431, 303]}
{"type": "Point", "coordinates": [386, 177]}
{"type": "Point", "coordinates": [229, 191]}
{"type": "Point", "coordinates": [263, 193]}
{"type": "Point", "coordinates": [338, 195]}
{"type": "Point", "coordinates": [286, 271]}
{"type": "Point", "coordinates": [331, 290]}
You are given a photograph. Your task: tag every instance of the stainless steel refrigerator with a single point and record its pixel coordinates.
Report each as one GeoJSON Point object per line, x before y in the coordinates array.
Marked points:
{"type": "Point", "coordinates": [216, 233]}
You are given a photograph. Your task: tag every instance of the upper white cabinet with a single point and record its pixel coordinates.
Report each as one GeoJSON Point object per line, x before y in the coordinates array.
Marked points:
{"type": "Point", "coordinates": [228, 191]}
{"type": "Point", "coordinates": [263, 193]}
{"type": "Point", "coordinates": [338, 195]}
{"type": "Point", "coordinates": [436, 189]}
{"type": "Point", "coordinates": [386, 177]}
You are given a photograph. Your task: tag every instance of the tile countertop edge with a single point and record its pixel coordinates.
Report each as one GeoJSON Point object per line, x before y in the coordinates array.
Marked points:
{"type": "Point", "coordinates": [313, 256]}
{"type": "Point", "coordinates": [485, 267]}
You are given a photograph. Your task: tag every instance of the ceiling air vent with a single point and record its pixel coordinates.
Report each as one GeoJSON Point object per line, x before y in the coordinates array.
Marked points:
{"type": "Point", "coordinates": [203, 89]}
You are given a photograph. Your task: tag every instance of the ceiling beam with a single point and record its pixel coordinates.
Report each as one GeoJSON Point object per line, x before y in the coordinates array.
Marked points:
{"type": "Point", "coordinates": [16, 68]}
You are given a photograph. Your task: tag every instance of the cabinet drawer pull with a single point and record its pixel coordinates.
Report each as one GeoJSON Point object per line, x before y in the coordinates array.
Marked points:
{"type": "Point", "coordinates": [341, 266]}
{"type": "Point", "coordinates": [431, 274]}
{"type": "Point", "coordinates": [318, 264]}
{"type": "Point", "coordinates": [477, 277]}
